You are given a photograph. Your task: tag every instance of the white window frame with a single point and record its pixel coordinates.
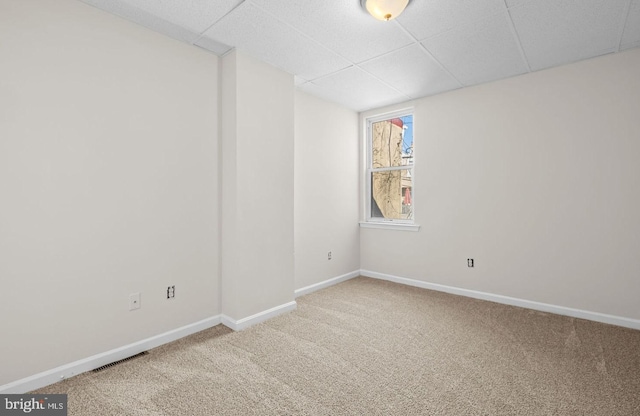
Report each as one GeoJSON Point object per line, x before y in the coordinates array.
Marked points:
{"type": "Point", "coordinates": [377, 222]}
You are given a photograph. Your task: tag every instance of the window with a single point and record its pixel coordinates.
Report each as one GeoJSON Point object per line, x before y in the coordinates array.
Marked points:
{"type": "Point", "coordinates": [389, 176]}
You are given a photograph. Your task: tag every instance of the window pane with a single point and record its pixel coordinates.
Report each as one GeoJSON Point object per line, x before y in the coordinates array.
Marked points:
{"type": "Point", "coordinates": [391, 195]}
{"type": "Point", "coordinates": [386, 143]}
{"type": "Point", "coordinates": [392, 142]}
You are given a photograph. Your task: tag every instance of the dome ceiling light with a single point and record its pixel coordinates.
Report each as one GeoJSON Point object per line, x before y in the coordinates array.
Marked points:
{"type": "Point", "coordinates": [384, 9]}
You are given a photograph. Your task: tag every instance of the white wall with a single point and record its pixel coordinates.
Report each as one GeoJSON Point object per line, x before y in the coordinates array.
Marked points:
{"type": "Point", "coordinates": [257, 186]}
{"type": "Point", "coordinates": [108, 184]}
{"type": "Point", "coordinates": [326, 190]}
{"type": "Point", "coordinates": [536, 177]}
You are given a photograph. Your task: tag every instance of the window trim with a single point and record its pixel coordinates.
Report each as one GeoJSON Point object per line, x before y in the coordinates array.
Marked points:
{"type": "Point", "coordinates": [377, 222]}
{"type": "Point", "coordinates": [390, 225]}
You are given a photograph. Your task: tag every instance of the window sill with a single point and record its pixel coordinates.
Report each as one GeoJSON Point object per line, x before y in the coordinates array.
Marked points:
{"type": "Point", "coordinates": [390, 226]}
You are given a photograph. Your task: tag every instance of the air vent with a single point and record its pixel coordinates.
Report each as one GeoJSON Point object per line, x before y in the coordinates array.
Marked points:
{"type": "Point", "coordinates": [104, 367]}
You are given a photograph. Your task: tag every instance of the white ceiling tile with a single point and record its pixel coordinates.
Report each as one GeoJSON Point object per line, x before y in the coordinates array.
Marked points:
{"type": "Point", "coordinates": [631, 35]}
{"type": "Point", "coordinates": [249, 29]}
{"type": "Point", "coordinates": [556, 32]}
{"type": "Point", "coordinates": [213, 46]}
{"type": "Point", "coordinates": [412, 71]}
{"type": "Point", "coordinates": [515, 3]}
{"type": "Point", "coordinates": [483, 51]}
{"type": "Point", "coordinates": [630, 46]}
{"type": "Point", "coordinates": [144, 18]}
{"type": "Point", "coordinates": [355, 89]}
{"type": "Point", "coordinates": [342, 99]}
{"type": "Point", "coordinates": [342, 26]}
{"type": "Point", "coordinates": [320, 41]}
{"type": "Point", "coordinates": [195, 15]}
{"type": "Point", "coordinates": [424, 19]}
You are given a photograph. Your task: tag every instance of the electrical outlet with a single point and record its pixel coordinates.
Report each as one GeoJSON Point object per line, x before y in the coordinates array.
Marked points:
{"type": "Point", "coordinates": [171, 292]}
{"type": "Point", "coordinates": [469, 262]}
{"type": "Point", "coordinates": [329, 256]}
{"type": "Point", "coordinates": [134, 301]}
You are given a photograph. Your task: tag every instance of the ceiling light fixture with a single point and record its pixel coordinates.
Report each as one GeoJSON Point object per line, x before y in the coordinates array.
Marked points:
{"type": "Point", "coordinates": [384, 9]}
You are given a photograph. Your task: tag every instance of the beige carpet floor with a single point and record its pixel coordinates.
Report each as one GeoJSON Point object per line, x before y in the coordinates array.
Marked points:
{"type": "Point", "coordinates": [369, 347]}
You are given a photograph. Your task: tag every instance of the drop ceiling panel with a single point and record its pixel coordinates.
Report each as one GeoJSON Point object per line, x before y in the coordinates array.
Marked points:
{"type": "Point", "coordinates": [412, 71]}
{"type": "Point", "coordinates": [251, 30]}
{"type": "Point", "coordinates": [144, 18]}
{"type": "Point", "coordinates": [212, 45]}
{"type": "Point", "coordinates": [194, 15]}
{"type": "Point", "coordinates": [480, 52]}
{"type": "Point", "coordinates": [631, 35]}
{"type": "Point", "coordinates": [337, 51]}
{"type": "Point", "coordinates": [347, 100]}
{"type": "Point", "coordinates": [341, 25]}
{"type": "Point", "coordinates": [362, 91]}
{"type": "Point", "coordinates": [514, 3]}
{"type": "Point", "coordinates": [556, 32]}
{"type": "Point", "coordinates": [424, 19]}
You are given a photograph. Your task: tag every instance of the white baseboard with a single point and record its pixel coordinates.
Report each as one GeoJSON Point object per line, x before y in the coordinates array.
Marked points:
{"type": "Point", "coordinates": [244, 323]}
{"type": "Point", "coordinates": [329, 282]}
{"type": "Point", "coordinates": [68, 370]}
{"type": "Point", "coordinates": [87, 364]}
{"type": "Point", "coordinates": [538, 306]}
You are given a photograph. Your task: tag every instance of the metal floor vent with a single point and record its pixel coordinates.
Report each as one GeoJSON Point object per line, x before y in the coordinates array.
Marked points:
{"type": "Point", "coordinates": [104, 367]}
